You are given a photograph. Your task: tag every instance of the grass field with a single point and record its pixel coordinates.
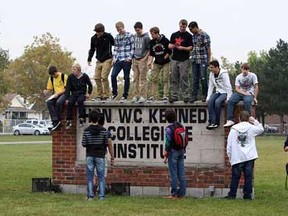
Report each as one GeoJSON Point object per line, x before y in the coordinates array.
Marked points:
{"type": "Point", "coordinates": [12, 138]}
{"type": "Point", "coordinates": [20, 163]}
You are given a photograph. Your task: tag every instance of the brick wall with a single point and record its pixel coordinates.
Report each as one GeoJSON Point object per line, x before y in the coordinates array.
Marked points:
{"type": "Point", "coordinates": [67, 171]}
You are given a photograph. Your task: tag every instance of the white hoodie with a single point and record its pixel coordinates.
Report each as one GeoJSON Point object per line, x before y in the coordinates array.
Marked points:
{"type": "Point", "coordinates": [221, 84]}
{"type": "Point", "coordinates": [241, 150]}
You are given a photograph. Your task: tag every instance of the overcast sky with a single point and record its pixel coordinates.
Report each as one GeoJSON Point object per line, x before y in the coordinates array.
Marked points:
{"type": "Point", "coordinates": [235, 27]}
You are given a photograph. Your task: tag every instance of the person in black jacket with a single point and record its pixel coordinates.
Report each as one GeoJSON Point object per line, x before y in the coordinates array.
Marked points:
{"type": "Point", "coordinates": [95, 140]}
{"type": "Point", "coordinates": [76, 91]}
{"type": "Point", "coordinates": [102, 43]}
{"type": "Point", "coordinates": [161, 53]}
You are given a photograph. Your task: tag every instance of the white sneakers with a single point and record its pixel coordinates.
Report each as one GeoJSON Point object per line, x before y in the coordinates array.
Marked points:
{"type": "Point", "coordinates": [141, 99]}
{"type": "Point", "coordinates": [134, 99]}
{"type": "Point", "coordinates": [229, 123]}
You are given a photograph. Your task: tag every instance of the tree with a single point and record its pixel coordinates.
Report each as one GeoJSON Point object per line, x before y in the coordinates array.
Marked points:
{"type": "Point", "coordinates": [27, 75]}
{"type": "Point", "coordinates": [272, 71]}
{"type": "Point", "coordinates": [4, 62]}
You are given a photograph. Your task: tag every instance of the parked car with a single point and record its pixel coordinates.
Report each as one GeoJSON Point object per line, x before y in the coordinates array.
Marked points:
{"type": "Point", "coordinates": [270, 129]}
{"type": "Point", "coordinates": [44, 123]}
{"type": "Point", "coordinates": [26, 128]}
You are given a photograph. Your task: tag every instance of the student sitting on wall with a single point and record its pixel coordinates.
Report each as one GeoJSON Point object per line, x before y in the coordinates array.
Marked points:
{"type": "Point", "coordinates": [246, 89]}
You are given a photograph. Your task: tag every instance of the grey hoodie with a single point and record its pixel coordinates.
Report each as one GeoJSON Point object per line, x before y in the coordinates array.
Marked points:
{"type": "Point", "coordinates": [142, 45]}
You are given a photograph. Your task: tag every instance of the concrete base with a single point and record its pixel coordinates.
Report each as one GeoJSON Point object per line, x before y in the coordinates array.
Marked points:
{"type": "Point", "coordinates": [160, 191]}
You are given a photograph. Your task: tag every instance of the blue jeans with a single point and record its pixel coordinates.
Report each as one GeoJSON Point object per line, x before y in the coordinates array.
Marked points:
{"type": "Point", "coordinates": [199, 72]}
{"type": "Point", "coordinates": [234, 99]}
{"type": "Point", "coordinates": [118, 66]}
{"type": "Point", "coordinates": [214, 107]}
{"type": "Point", "coordinates": [177, 172]}
{"type": "Point", "coordinates": [80, 103]}
{"type": "Point", "coordinates": [247, 168]}
{"type": "Point", "coordinates": [99, 163]}
{"type": "Point", "coordinates": [55, 107]}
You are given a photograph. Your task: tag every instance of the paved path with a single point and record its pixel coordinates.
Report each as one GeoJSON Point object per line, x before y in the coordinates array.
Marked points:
{"type": "Point", "coordinates": [26, 142]}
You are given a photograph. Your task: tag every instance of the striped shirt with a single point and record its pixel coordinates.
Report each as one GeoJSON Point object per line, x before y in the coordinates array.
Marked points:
{"type": "Point", "coordinates": [95, 140]}
{"type": "Point", "coordinates": [124, 47]}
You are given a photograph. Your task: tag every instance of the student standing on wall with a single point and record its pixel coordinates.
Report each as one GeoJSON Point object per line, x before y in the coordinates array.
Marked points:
{"type": "Point", "coordinates": [201, 56]}
{"type": "Point", "coordinates": [161, 53]}
{"type": "Point", "coordinates": [175, 159]}
{"type": "Point", "coordinates": [56, 84]}
{"type": "Point", "coordinates": [242, 153]}
{"type": "Point", "coordinates": [220, 82]}
{"type": "Point", "coordinates": [246, 89]}
{"type": "Point", "coordinates": [140, 63]}
{"type": "Point", "coordinates": [181, 45]}
{"type": "Point", "coordinates": [76, 91]}
{"type": "Point", "coordinates": [102, 43]}
{"type": "Point", "coordinates": [95, 141]}
{"type": "Point", "coordinates": [122, 59]}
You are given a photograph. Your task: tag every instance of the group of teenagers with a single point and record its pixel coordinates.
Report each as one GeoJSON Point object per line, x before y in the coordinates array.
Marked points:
{"type": "Point", "coordinates": [139, 52]}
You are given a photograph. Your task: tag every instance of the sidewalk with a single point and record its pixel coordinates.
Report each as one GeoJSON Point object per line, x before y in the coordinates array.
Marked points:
{"type": "Point", "coordinates": [26, 142]}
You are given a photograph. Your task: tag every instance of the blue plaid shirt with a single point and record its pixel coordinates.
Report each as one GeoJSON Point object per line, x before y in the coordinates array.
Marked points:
{"type": "Point", "coordinates": [201, 43]}
{"type": "Point", "coordinates": [124, 47]}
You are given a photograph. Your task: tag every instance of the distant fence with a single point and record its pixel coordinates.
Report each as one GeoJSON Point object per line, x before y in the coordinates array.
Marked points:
{"type": "Point", "coordinates": [6, 125]}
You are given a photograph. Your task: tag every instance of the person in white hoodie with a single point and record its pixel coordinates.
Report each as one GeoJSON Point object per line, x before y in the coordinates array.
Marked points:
{"type": "Point", "coordinates": [220, 82]}
{"type": "Point", "coordinates": [242, 152]}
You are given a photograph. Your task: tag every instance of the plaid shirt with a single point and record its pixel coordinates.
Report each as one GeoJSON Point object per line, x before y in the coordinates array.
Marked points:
{"type": "Point", "coordinates": [201, 43]}
{"type": "Point", "coordinates": [124, 47]}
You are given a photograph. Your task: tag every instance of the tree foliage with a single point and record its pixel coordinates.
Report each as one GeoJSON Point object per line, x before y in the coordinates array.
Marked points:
{"type": "Point", "coordinates": [27, 75]}
{"type": "Point", "coordinates": [4, 62]}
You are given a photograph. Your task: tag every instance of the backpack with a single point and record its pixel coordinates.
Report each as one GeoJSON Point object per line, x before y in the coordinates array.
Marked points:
{"type": "Point", "coordinates": [52, 79]}
{"type": "Point", "coordinates": [179, 136]}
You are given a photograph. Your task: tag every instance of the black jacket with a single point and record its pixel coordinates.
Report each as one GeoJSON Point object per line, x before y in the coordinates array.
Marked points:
{"type": "Point", "coordinates": [78, 86]}
{"type": "Point", "coordinates": [159, 48]}
{"type": "Point", "coordinates": [103, 46]}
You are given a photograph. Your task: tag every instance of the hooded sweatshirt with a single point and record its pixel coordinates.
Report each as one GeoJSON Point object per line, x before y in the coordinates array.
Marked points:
{"type": "Point", "coordinates": [95, 141]}
{"type": "Point", "coordinates": [241, 144]}
{"type": "Point", "coordinates": [221, 83]}
{"type": "Point", "coordinates": [159, 48]}
{"type": "Point", "coordinates": [142, 45]}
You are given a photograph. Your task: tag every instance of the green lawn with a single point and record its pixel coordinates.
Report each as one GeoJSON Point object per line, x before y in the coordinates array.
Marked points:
{"type": "Point", "coordinates": [20, 163]}
{"type": "Point", "coordinates": [13, 138]}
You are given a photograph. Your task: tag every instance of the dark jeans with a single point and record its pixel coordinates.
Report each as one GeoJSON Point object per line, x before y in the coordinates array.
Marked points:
{"type": "Point", "coordinates": [118, 66]}
{"type": "Point", "coordinates": [55, 107]}
{"type": "Point", "coordinates": [199, 72]}
{"type": "Point", "coordinates": [80, 102]}
{"type": "Point", "coordinates": [247, 168]}
{"type": "Point", "coordinates": [234, 99]}
{"type": "Point", "coordinates": [214, 107]}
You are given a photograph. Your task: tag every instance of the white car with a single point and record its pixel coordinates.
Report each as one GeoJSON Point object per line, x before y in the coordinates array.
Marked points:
{"type": "Point", "coordinates": [26, 128]}
{"type": "Point", "coordinates": [43, 123]}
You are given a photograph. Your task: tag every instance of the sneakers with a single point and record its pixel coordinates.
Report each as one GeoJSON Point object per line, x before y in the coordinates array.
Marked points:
{"type": "Point", "coordinates": [68, 124]}
{"type": "Point", "coordinates": [229, 123]}
{"type": "Point", "coordinates": [56, 125]}
{"type": "Point", "coordinates": [134, 99]}
{"type": "Point", "coordinates": [172, 100]}
{"type": "Point", "coordinates": [165, 99]}
{"type": "Point", "coordinates": [193, 99]}
{"type": "Point", "coordinates": [81, 122]}
{"type": "Point", "coordinates": [151, 99]}
{"type": "Point", "coordinates": [114, 97]}
{"type": "Point", "coordinates": [211, 126]}
{"type": "Point", "coordinates": [142, 99]}
{"type": "Point", "coordinates": [123, 99]}
{"type": "Point", "coordinates": [204, 98]}
{"type": "Point", "coordinates": [186, 100]}
{"type": "Point", "coordinates": [97, 99]}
